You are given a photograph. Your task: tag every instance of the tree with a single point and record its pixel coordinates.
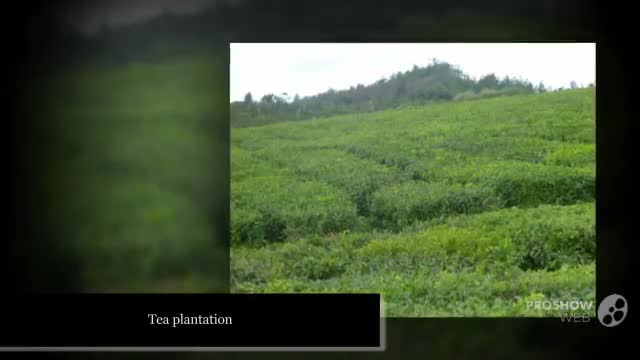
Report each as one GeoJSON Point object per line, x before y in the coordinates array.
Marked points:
{"type": "Point", "coordinates": [437, 81]}
{"type": "Point", "coordinates": [248, 99]}
{"type": "Point", "coordinates": [506, 82]}
{"type": "Point", "coordinates": [488, 82]}
{"type": "Point", "coordinates": [267, 102]}
{"type": "Point", "coordinates": [573, 84]}
{"type": "Point", "coordinates": [267, 99]}
{"type": "Point", "coordinates": [285, 97]}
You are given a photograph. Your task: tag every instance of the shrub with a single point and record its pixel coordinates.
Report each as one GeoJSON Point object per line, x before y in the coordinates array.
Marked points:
{"type": "Point", "coordinates": [309, 258]}
{"type": "Point", "coordinates": [467, 95]}
{"type": "Point", "coordinates": [532, 185]}
{"type": "Point", "coordinates": [519, 183]}
{"type": "Point", "coordinates": [398, 206]}
{"type": "Point", "coordinates": [573, 155]}
{"type": "Point", "coordinates": [543, 238]}
{"type": "Point", "coordinates": [275, 208]}
{"type": "Point", "coordinates": [357, 177]}
{"type": "Point", "coordinates": [549, 242]}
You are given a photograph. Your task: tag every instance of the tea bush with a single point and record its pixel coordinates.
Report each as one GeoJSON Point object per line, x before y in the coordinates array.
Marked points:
{"type": "Point", "coordinates": [466, 208]}
{"type": "Point", "coordinates": [265, 216]}
{"type": "Point", "coordinates": [398, 206]}
{"type": "Point", "coordinates": [357, 177]}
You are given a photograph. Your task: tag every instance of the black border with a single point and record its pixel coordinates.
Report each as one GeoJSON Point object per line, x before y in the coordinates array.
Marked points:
{"type": "Point", "coordinates": [332, 21]}
{"type": "Point", "coordinates": [245, 320]}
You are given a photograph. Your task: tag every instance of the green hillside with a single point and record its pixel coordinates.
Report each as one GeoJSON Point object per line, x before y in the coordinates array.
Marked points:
{"type": "Point", "coordinates": [464, 208]}
{"type": "Point", "coordinates": [127, 182]}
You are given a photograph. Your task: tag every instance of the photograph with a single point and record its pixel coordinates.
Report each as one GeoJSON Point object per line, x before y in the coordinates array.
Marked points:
{"type": "Point", "coordinates": [455, 179]}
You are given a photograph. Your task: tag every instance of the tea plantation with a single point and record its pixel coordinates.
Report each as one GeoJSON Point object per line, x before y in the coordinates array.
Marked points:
{"type": "Point", "coordinates": [127, 186]}
{"type": "Point", "coordinates": [463, 208]}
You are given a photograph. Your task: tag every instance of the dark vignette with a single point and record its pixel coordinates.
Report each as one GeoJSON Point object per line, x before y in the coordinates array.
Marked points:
{"type": "Point", "coordinates": [32, 251]}
{"type": "Point", "coordinates": [34, 261]}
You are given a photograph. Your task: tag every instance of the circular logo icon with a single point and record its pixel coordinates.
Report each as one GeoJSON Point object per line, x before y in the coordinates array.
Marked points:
{"type": "Point", "coordinates": [612, 310]}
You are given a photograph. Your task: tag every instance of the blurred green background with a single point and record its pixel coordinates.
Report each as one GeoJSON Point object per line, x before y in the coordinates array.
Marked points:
{"type": "Point", "coordinates": [132, 178]}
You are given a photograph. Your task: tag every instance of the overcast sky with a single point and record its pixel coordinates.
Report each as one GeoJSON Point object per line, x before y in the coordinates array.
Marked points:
{"type": "Point", "coordinates": [308, 69]}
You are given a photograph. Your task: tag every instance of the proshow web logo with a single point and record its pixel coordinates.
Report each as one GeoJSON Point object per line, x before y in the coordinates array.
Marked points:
{"type": "Point", "coordinates": [578, 311]}
{"type": "Point", "coordinates": [613, 310]}
{"type": "Point", "coordinates": [546, 305]}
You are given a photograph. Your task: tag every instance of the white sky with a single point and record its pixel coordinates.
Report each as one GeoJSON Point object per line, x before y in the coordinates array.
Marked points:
{"type": "Point", "coordinates": [309, 69]}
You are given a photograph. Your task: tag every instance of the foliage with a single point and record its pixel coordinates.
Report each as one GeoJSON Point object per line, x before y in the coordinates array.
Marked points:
{"type": "Point", "coordinates": [128, 184]}
{"type": "Point", "coordinates": [266, 216]}
{"type": "Point", "coordinates": [436, 82]}
{"type": "Point", "coordinates": [398, 206]}
{"type": "Point", "coordinates": [459, 208]}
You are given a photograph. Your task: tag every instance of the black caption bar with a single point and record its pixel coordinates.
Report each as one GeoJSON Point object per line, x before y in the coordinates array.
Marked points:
{"type": "Point", "coordinates": [32, 322]}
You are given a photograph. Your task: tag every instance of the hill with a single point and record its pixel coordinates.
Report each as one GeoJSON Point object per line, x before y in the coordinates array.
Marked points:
{"type": "Point", "coordinates": [459, 208]}
{"type": "Point", "coordinates": [436, 82]}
